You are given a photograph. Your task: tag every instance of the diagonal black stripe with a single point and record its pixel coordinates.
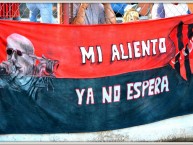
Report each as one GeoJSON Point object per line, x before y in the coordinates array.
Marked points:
{"type": "Point", "coordinates": [177, 63]}
{"type": "Point", "coordinates": [180, 46]}
{"type": "Point", "coordinates": [190, 34]}
{"type": "Point", "coordinates": [187, 61]}
{"type": "Point", "coordinates": [180, 36]}
{"type": "Point", "coordinates": [187, 64]}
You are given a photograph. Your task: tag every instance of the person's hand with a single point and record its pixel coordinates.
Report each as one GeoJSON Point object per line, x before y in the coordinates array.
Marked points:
{"type": "Point", "coordinates": [84, 5]}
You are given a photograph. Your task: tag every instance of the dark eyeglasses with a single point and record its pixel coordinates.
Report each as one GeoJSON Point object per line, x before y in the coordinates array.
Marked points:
{"type": "Point", "coordinates": [10, 51]}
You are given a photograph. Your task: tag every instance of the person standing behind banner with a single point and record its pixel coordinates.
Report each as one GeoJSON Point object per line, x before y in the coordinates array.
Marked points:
{"type": "Point", "coordinates": [130, 15]}
{"type": "Point", "coordinates": [45, 12]}
{"type": "Point", "coordinates": [85, 13]}
{"type": "Point", "coordinates": [10, 11]}
{"type": "Point", "coordinates": [160, 10]}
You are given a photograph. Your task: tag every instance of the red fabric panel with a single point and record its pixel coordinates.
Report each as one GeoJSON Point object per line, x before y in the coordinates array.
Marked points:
{"type": "Point", "coordinates": [63, 42]}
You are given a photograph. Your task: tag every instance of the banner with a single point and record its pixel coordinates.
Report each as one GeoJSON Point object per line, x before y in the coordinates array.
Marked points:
{"type": "Point", "coordinates": [73, 78]}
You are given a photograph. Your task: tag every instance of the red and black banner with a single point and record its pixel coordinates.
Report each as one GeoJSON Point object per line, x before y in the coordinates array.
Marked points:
{"type": "Point", "coordinates": [71, 78]}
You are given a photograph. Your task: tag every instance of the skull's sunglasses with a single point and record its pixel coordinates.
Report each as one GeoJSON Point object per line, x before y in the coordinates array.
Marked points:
{"type": "Point", "coordinates": [10, 51]}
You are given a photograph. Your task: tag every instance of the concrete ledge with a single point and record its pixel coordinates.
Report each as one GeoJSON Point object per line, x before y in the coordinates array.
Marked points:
{"type": "Point", "coordinates": [174, 129]}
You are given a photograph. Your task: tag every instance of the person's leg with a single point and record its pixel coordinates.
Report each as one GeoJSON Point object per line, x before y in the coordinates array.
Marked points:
{"type": "Point", "coordinates": [46, 12]}
{"type": "Point", "coordinates": [33, 11]}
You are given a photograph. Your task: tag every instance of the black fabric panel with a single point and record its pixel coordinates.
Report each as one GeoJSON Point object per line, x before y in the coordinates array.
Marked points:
{"type": "Point", "coordinates": [57, 110]}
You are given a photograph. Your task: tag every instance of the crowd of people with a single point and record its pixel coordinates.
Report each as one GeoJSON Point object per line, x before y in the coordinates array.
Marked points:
{"type": "Point", "coordinates": [97, 13]}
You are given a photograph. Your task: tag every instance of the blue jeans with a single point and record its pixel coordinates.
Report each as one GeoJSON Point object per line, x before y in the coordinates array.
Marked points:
{"type": "Point", "coordinates": [45, 12]}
